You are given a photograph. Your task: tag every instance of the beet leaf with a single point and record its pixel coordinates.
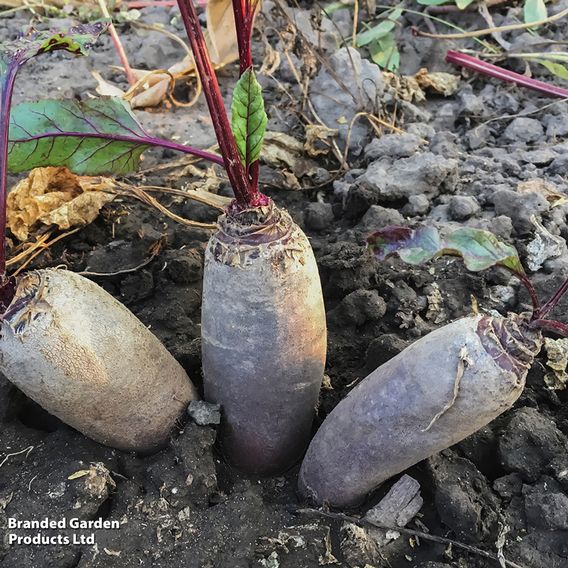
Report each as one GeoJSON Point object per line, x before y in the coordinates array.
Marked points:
{"type": "Point", "coordinates": [248, 118]}
{"type": "Point", "coordinates": [97, 136]}
{"type": "Point", "coordinates": [479, 249]}
{"type": "Point", "coordinates": [13, 54]}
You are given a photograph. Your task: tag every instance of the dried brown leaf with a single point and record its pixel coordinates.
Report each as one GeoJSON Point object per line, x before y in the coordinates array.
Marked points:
{"type": "Point", "coordinates": [55, 196]}
{"type": "Point", "coordinates": [442, 83]}
{"type": "Point", "coordinates": [545, 188]}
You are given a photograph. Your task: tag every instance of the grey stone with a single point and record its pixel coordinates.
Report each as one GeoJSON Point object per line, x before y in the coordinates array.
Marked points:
{"type": "Point", "coordinates": [556, 125]}
{"type": "Point", "coordinates": [378, 217]}
{"type": "Point", "coordinates": [424, 173]}
{"type": "Point", "coordinates": [508, 485]}
{"type": "Point", "coordinates": [318, 216]}
{"type": "Point", "coordinates": [359, 307]}
{"type": "Point", "coordinates": [529, 442]}
{"type": "Point", "coordinates": [204, 413]}
{"type": "Point", "coordinates": [417, 205]}
{"type": "Point", "coordinates": [463, 498]}
{"type": "Point", "coordinates": [392, 146]}
{"type": "Point", "coordinates": [546, 507]}
{"type": "Point", "coordinates": [559, 165]}
{"type": "Point", "coordinates": [540, 157]}
{"type": "Point", "coordinates": [472, 104]}
{"type": "Point", "coordinates": [335, 106]}
{"type": "Point", "coordinates": [445, 144]}
{"type": "Point", "coordinates": [523, 129]}
{"type": "Point", "coordinates": [520, 207]}
{"type": "Point", "coordinates": [463, 207]}
{"type": "Point", "coordinates": [478, 137]}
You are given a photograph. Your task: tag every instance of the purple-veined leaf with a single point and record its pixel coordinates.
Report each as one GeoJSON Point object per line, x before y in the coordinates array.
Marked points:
{"type": "Point", "coordinates": [13, 54]}
{"type": "Point", "coordinates": [93, 137]}
{"type": "Point", "coordinates": [248, 118]}
{"type": "Point", "coordinates": [479, 249]}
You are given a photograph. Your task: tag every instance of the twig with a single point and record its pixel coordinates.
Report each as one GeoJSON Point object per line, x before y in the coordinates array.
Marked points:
{"type": "Point", "coordinates": [451, 8]}
{"type": "Point", "coordinates": [120, 272]}
{"type": "Point", "coordinates": [45, 247]}
{"type": "Point", "coordinates": [404, 530]}
{"type": "Point", "coordinates": [355, 23]}
{"type": "Point", "coordinates": [118, 44]}
{"type": "Point", "coordinates": [24, 451]}
{"type": "Point", "coordinates": [489, 31]}
{"type": "Point", "coordinates": [491, 70]}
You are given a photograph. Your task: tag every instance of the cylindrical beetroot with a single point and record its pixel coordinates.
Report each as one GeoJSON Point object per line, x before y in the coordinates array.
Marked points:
{"type": "Point", "coordinates": [263, 337]}
{"type": "Point", "coordinates": [405, 411]}
{"type": "Point", "coordinates": [84, 357]}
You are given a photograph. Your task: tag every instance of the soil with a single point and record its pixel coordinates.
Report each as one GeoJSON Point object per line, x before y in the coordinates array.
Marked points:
{"type": "Point", "coordinates": [460, 162]}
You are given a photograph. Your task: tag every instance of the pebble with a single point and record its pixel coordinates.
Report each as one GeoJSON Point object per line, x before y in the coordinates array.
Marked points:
{"type": "Point", "coordinates": [462, 207]}
{"type": "Point", "coordinates": [318, 216]}
{"type": "Point", "coordinates": [204, 413]}
{"type": "Point", "coordinates": [523, 129]}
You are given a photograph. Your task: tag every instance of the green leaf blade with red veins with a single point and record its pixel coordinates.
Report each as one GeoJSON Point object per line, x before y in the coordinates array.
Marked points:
{"type": "Point", "coordinates": [412, 246]}
{"type": "Point", "coordinates": [248, 117]}
{"type": "Point", "coordinates": [76, 40]}
{"type": "Point", "coordinates": [479, 249]}
{"type": "Point", "coordinates": [94, 137]}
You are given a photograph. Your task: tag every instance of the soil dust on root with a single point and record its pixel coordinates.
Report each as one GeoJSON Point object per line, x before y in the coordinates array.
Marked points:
{"type": "Point", "coordinates": [462, 160]}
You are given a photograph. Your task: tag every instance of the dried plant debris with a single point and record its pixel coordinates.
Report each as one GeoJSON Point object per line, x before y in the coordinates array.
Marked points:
{"type": "Point", "coordinates": [557, 360]}
{"type": "Point", "coordinates": [55, 196]}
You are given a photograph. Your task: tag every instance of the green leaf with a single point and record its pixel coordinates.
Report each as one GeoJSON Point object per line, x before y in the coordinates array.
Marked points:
{"type": "Point", "coordinates": [248, 120]}
{"type": "Point", "coordinates": [384, 53]}
{"type": "Point", "coordinates": [433, 2]}
{"type": "Point", "coordinates": [92, 137]}
{"type": "Point", "coordinates": [463, 4]}
{"type": "Point", "coordinates": [557, 69]}
{"type": "Point", "coordinates": [534, 11]}
{"type": "Point", "coordinates": [479, 249]}
{"type": "Point", "coordinates": [412, 246]}
{"type": "Point", "coordinates": [380, 30]}
{"type": "Point", "coordinates": [76, 40]}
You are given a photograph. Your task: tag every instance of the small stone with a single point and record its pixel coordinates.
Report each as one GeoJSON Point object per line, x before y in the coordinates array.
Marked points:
{"type": "Point", "coordinates": [520, 207]}
{"type": "Point", "coordinates": [445, 144]}
{"type": "Point", "coordinates": [463, 207]}
{"type": "Point", "coordinates": [318, 216]}
{"type": "Point", "coordinates": [378, 217]}
{"type": "Point", "coordinates": [541, 157]}
{"type": "Point", "coordinates": [529, 442]}
{"type": "Point", "coordinates": [204, 413]}
{"type": "Point", "coordinates": [359, 307]}
{"type": "Point", "coordinates": [546, 507]}
{"type": "Point", "coordinates": [425, 173]}
{"type": "Point", "coordinates": [392, 146]}
{"type": "Point", "coordinates": [556, 125]}
{"type": "Point", "coordinates": [184, 266]}
{"type": "Point", "coordinates": [524, 129]}
{"type": "Point", "coordinates": [383, 348]}
{"type": "Point", "coordinates": [505, 295]}
{"type": "Point", "coordinates": [417, 205]}
{"type": "Point", "coordinates": [336, 105]}
{"type": "Point", "coordinates": [508, 485]}
{"type": "Point", "coordinates": [559, 165]}
{"type": "Point", "coordinates": [478, 137]}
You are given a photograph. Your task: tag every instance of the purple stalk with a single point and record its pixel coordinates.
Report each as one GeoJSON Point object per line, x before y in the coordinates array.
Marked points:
{"type": "Point", "coordinates": [504, 74]}
{"type": "Point", "coordinates": [5, 102]}
{"type": "Point", "coordinates": [246, 196]}
{"type": "Point", "coordinates": [244, 18]}
{"type": "Point", "coordinates": [551, 325]}
{"type": "Point", "coordinates": [150, 141]}
{"type": "Point", "coordinates": [554, 299]}
{"type": "Point", "coordinates": [532, 293]}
